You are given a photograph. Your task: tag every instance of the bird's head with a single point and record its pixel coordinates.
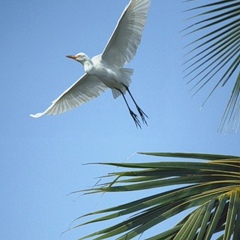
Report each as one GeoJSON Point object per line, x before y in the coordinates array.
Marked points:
{"type": "Point", "coordinates": [80, 57]}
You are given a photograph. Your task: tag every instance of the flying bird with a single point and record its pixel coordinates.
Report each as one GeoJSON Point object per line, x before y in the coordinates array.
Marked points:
{"type": "Point", "coordinates": [107, 69]}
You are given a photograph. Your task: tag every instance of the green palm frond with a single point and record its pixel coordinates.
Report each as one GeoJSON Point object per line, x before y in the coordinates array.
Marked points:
{"type": "Point", "coordinates": [231, 115]}
{"type": "Point", "coordinates": [215, 54]}
{"type": "Point", "coordinates": [207, 185]}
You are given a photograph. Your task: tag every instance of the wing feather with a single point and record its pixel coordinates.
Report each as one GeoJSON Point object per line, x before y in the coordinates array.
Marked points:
{"type": "Point", "coordinates": [126, 37]}
{"type": "Point", "coordinates": [83, 90]}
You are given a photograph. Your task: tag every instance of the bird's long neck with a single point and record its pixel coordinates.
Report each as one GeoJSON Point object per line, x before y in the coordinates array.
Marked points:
{"type": "Point", "coordinates": [88, 66]}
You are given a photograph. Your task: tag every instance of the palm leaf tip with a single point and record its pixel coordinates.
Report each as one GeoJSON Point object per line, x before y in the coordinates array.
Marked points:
{"type": "Point", "coordinates": [230, 120]}
{"type": "Point", "coordinates": [214, 55]}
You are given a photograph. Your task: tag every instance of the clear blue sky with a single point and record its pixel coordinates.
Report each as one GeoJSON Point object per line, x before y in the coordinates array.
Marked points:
{"type": "Point", "coordinates": [42, 159]}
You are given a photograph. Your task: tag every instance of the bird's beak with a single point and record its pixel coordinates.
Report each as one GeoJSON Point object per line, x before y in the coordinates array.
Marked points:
{"type": "Point", "coordinates": [71, 56]}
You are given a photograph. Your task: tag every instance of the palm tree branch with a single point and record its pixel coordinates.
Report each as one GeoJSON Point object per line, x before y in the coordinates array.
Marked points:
{"type": "Point", "coordinates": [216, 51]}
{"type": "Point", "coordinates": [206, 185]}
{"type": "Point", "coordinates": [232, 105]}
{"type": "Point", "coordinates": [227, 40]}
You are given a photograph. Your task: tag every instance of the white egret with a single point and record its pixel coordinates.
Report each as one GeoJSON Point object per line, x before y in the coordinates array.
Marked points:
{"type": "Point", "coordinates": [106, 70]}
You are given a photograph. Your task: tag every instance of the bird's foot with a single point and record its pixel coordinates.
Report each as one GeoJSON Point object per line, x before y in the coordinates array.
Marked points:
{"type": "Point", "coordinates": [135, 118]}
{"type": "Point", "coordinates": [143, 115]}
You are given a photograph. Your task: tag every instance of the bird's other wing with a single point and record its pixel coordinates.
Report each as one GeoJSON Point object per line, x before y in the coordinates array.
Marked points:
{"type": "Point", "coordinates": [123, 43]}
{"type": "Point", "coordinates": [83, 90]}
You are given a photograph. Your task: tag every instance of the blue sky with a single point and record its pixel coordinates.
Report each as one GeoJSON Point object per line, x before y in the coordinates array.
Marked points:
{"type": "Point", "coordinates": [43, 159]}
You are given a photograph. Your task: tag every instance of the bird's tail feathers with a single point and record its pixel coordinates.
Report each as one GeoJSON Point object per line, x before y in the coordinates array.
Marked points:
{"type": "Point", "coordinates": [126, 75]}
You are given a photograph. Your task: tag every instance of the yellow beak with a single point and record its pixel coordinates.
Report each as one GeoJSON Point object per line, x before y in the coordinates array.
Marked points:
{"type": "Point", "coordinates": [71, 56]}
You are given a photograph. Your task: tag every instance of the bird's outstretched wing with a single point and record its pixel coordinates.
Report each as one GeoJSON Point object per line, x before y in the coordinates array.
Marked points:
{"type": "Point", "coordinates": [83, 90]}
{"type": "Point", "coordinates": [122, 45]}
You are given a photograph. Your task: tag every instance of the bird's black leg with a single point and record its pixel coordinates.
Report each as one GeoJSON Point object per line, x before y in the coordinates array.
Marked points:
{"type": "Point", "coordinates": [141, 112]}
{"type": "Point", "coordinates": [134, 116]}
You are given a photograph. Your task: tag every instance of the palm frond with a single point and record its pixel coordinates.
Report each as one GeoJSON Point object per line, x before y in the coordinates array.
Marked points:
{"type": "Point", "coordinates": [206, 184]}
{"type": "Point", "coordinates": [215, 54]}
{"type": "Point", "coordinates": [232, 113]}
